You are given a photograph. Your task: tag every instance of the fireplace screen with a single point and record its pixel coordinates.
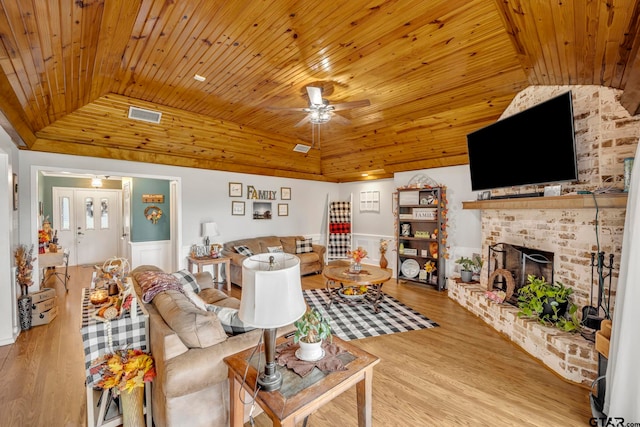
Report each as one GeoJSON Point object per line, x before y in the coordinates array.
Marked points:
{"type": "Point", "coordinates": [509, 266]}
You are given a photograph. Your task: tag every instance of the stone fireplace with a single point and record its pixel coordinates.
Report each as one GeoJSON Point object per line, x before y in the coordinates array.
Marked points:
{"type": "Point", "coordinates": [570, 227]}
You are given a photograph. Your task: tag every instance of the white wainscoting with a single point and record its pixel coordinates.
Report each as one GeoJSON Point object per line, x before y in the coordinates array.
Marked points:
{"type": "Point", "coordinates": [156, 253]}
{"type": "Point", "coordinates": [371, 244]}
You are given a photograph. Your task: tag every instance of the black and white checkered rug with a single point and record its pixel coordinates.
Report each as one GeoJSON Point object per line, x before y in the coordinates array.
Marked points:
{"type": "Point", "coordinates": [355, 322]}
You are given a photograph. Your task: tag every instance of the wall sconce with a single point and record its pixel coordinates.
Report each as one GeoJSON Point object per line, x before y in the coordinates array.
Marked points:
{"type": "Point", "coordinates": [96, 182]}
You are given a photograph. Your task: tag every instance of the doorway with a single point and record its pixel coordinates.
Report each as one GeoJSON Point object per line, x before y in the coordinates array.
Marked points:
{"type": "Point", "coordinates": [88, 221]}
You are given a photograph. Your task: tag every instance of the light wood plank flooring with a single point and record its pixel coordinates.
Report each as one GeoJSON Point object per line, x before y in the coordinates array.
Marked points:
{"type": "Point", "coordinates": [461, 373]}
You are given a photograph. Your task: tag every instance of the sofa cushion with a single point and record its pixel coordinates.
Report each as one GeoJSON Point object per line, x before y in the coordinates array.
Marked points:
{"type": "Point", "coordinates": [275, 249]}
{"type": "Point", "coordinates": [229, 319]}
{"type": "Point", "coordinates": [304, 246]}
{"type": "Point", "coordinates": [266, 242]}
{"type": "Point", "coordinates": [212, 295]}
{"type": "Point", "coordinates": [187, 279]}
{"type": "Point", "coordinates": [289, 243]}
{"type": "Point", "coordinates": [196, 328]}
{"type": "Point", "coordinates": [243, 250]}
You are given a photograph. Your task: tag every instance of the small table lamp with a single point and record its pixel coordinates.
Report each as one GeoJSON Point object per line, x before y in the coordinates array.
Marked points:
{"type": "Point", "coordinates": [271, 298]}
{"type": "Point", "coordinates": [209, 229]}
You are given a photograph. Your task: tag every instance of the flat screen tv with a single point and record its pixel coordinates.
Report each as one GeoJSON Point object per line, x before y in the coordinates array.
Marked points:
{"type": "Point", "coordinates": [534, 146]}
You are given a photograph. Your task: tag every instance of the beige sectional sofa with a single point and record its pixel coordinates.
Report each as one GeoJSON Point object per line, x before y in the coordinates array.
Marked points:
{"type": "Point", "coordinates": [310, 262]}
{"type": "Point", "coordinates": [188, 345]}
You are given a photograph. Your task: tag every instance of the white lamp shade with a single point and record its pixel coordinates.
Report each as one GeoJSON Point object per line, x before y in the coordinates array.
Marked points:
{"type": "Point", "coordinates": [210, 229]}
{"type": "Point", "coordinates": [271, 298]}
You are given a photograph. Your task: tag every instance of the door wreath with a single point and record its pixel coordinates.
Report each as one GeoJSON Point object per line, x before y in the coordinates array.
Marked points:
{"type": "Point", "coordinates": [153, 214]}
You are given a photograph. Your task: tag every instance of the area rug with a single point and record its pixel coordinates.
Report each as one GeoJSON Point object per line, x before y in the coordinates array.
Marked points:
{"type": "Point", "coordinates": [355, 322]}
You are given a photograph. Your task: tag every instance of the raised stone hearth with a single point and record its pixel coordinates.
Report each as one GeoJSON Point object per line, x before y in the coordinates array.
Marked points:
{"type": "Point", "coordinates": [569, 355]}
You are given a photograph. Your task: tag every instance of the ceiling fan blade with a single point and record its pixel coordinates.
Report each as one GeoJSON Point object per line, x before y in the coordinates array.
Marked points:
{"type": "Point", "coordinates": [315, 95]}
{"type": "Point", "coordinates": [302, 122]}
{"type": "Point", "coordinates": [303, 110]}
{"type": "Point", "coordinates": [351, 104]}
{"type": "Point", "coordinates": [340, 119]}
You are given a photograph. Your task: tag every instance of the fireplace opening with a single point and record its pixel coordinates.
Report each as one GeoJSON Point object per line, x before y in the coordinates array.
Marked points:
{"type": "Point", "coordinates": [509, 266]}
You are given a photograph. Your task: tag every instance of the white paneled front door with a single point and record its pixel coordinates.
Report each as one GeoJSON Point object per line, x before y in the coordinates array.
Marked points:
{"type": "Point", "coordinates": [88, 221]}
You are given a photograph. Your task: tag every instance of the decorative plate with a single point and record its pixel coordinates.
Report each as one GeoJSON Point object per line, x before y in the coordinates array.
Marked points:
{"type": "Point", "coordinates": [410, 268]}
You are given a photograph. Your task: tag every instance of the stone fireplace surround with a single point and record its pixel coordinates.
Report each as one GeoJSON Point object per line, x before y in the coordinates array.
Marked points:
{"type": "Point", "coordinates": [564, 225]}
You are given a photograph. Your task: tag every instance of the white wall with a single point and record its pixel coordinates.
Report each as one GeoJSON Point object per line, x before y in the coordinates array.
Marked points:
{"type": "Point", "coordinates": [464, 227]}
{"type": "Point", "coordinates": [9, 219]}
{"type": "Point", "coordinates": [204, 197]}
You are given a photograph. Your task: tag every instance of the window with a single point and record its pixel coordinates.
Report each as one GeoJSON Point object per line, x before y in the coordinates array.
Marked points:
{"type": "Point", "coordinates": [65, 220]}
{"type": "Point", "coordinates": [104, 214]}
{"type": "Point", "coordinates": [88, 204]}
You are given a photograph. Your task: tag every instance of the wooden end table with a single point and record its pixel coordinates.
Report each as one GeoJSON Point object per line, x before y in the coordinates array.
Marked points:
{"type": "Point", "coordinates": [339, 278]}
{"type": "Point", "coordinates": [216, 262]}
{"type": "Point", "coordinates": [286, 408]}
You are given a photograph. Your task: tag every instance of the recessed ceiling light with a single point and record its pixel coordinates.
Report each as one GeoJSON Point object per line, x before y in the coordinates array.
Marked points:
{"type": "Point", "coordinates": [199, 78]}
{"type": "Point", "coordinates": [365, 174]}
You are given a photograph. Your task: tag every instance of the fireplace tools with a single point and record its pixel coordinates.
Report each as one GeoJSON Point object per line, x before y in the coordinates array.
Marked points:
{"type": "Point", "coordinates": [591, 314]}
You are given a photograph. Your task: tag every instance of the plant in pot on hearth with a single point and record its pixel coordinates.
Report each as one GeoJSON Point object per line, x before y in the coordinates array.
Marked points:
{"type": "Point", "coordinates": [311, 329]}
{"type": "Point", "coordinates": [469, 266]}
{"type": "Point", "coordinates": [549, 303]}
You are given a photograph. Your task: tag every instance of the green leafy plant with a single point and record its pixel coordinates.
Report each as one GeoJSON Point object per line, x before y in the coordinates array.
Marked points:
{"type": "Point", "coordinates": [470, 264]}
{"type": "Point", "coordinates": [549, 303]}
{"type": "Point", "coordinates": [312, 327]}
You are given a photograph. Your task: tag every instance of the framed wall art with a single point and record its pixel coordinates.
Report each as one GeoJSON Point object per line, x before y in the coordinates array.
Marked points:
{"type": "Point", "coordinates": [235, 189]}
{"type": "Point", "coordinates": [237, 208]}
{"type": "Point", "coordinates": [262, 210]}
{"type": "Point", "coordinates": [15, 192]}
{"type": "Point", "coordinates": [285, 193]}
{"type": "Point", "coordinates": [369, 201]}
{"type": "Point", "coordinates": [283, 209]}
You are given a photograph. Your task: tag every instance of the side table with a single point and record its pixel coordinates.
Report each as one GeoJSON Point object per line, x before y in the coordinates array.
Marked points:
{"type": "Point", "coordinates": [288, 409]}
{"type": "Point", "coordinates": [216, 262]}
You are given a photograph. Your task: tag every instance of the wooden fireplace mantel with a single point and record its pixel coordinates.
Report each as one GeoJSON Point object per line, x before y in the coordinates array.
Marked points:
{"type": "Point", "coordinates": [570, 201]}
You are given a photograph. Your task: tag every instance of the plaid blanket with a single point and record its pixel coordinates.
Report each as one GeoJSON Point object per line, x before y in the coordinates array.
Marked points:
{"type": "Point", "coordinates": [340, 228]}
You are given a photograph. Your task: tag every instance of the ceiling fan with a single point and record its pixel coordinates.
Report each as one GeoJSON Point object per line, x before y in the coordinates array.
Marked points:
{"type": "Point", "coordinates": [320, 111]}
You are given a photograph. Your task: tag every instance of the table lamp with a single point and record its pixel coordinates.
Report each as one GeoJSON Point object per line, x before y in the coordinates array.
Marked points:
{"type": "Point", "coordinates": [209, 229]}
{"type": "Point", "coordinates": [271, 298]}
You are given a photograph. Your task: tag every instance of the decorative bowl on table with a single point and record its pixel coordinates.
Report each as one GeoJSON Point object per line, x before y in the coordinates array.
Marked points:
{"type": "Point", "coordinates": [353, 292]}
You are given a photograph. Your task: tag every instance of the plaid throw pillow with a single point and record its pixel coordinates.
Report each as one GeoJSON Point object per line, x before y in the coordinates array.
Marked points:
{"type": "Point", "coordinates": [244, 250]}
{"type": "Point", "coordinates": [229, 320]}
{"type": "Point", "coordinates": [187, 280]}
{"type": "Point", "coordinates": [304, 246]}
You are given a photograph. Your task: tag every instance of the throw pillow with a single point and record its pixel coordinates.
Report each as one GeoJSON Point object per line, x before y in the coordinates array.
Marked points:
{"type": "Point", "coordinates": [275, 249]}
{"type": "Point", "coordinates": [229, 319]}
{"type": "Point", "coordinates": [187, 280]}
{"type": "Point", "coordinates": [304, 246]}
{"type": "Point", "coordinates": [243, 250]}
{"type": "Point", "coordinates": [195, 299]}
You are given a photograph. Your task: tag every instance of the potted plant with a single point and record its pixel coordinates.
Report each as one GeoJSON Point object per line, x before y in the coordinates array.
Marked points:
{"type": "Point", "coordinates": [311, 329]}
{"type": "Point", "coordinates": [549, 303]}
{"type": "Point", "coordinates": [469, 266]}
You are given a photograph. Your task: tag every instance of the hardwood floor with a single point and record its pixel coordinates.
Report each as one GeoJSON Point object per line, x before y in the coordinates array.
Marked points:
{"type": "Point", "coordinates": [461, 373]}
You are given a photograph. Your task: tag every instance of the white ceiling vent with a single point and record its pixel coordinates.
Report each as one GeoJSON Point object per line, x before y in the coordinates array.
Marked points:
{"type": "Point", "coordinates": [144, 115]}
{"type": "Point", "coordinates": [301, 148]}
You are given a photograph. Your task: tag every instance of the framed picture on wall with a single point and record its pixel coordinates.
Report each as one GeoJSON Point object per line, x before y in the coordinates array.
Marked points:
{"type": "Point", "coordinates": [285, 193]}
{"type": "Point", "coordinates": [235, 189]}
{"type": "Point", "coordinates": [283, 209]}
{"type": "Point", "coordinates": [237, 208]}
{"type": "Point", "coordinates": [15, 192]}
{"type": "Point", "coordinates": [262, 210]}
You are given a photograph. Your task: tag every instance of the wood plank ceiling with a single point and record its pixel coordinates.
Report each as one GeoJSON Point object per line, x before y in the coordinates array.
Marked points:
{"type": "Point", "coordinates": [432, 70]}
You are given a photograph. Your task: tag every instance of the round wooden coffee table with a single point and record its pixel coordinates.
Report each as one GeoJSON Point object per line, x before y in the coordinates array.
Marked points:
{"type": "Point", "coordinates": [339, 279]}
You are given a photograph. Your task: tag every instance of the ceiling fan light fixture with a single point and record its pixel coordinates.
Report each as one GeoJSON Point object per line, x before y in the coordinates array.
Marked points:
{"type": "Point", "coordinates": [318, 116]}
